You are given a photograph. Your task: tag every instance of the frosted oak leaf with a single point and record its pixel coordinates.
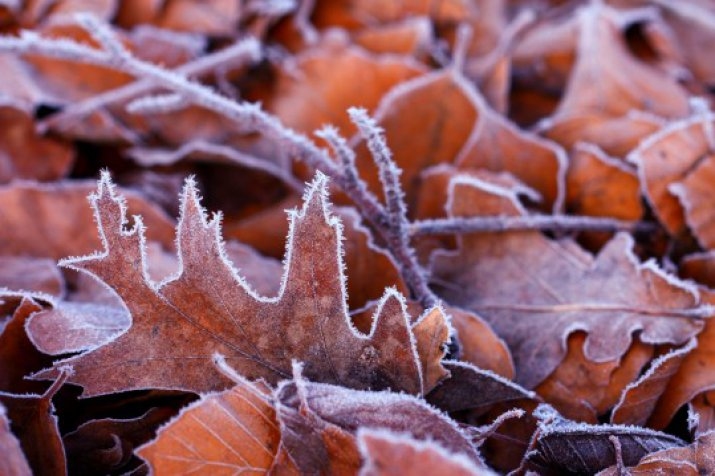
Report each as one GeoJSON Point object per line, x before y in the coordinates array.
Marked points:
{"type": "Point", "coordinates": [207, 308]}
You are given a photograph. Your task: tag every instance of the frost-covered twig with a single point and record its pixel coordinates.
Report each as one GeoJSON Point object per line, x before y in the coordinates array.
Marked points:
{"type": "Point", "coordinates": [246, 50]}
{"type": "Point", "coordinates": [397, 232]}
{"type": "Point", "coordinates": [460, 225]}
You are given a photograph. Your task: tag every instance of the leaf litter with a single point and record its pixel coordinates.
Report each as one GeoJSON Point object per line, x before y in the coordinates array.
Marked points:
{"type": "Point", "coordinates": [501, 261]}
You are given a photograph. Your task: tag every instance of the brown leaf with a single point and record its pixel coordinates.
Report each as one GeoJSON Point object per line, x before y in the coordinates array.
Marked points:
{"type": "Point", "coordinates": [13, 462]}
{"type": "Point", "coordinates": [53, 220]}
{"type": "Point", "coordinates": [599, 185]}
{"type": "Point", "coordinates": [566, 446]}
{"type": "Point", "coordinates": [675, 166]}
{"type": "Point", "coordinates": [24, 154]}
{"type": "Point", "coordinates": [315, 88]}
{"type": "Point", "coordinates": [431, 333]}
{"type": "Point", "coordinates": [624, 82]}
{"type": "Point", "coordinates": [209, 309]}
{"type": "Point", "coordinates": [471, 388]}
{"type": "Point", "coordinates": [35, 425]}
{"type": "Point", "coordinates": [315, 417]}
{"type": "Point", "coordinates": [18, 357]}
{"type": "Point", "coordinates": [463, 131]}
{"type": "Point", "coordinates": [694, 376]}
{"type": "Point", "coordinates": [583, 390]}
{"type": "Point", "coordinates": [70, 327]}
{"type": "Point", "coordinates": [479, 345]}
{"type": "Point", "coordinates": [386, 453]}
{"type": "Point", "coordinates": [526, 285]}
{"type": "Point", "coordinates": [703, 408]}
{"type": "Point", "coordinates": [224, 433]}
{"type": "Point", "coordinates": [694, 460]}
{"type": "Point", "coordinates": [412, 37]}
{"type": "Point", "coordinates": [639, 399]}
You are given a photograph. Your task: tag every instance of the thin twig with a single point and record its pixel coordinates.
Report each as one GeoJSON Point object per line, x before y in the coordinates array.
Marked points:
{"type": "Point", "coordinates": [461, 225]}
{"type": "Point", "coordinates": [247, 50]}
{"type": "Point", "coordinates": [397, 232]}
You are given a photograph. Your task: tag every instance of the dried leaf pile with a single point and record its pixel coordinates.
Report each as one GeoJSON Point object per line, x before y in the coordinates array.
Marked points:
{"type": "Point", "coordinates": [357, 237]}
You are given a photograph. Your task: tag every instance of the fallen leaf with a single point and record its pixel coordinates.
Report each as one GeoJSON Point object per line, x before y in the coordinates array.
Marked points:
{"type": "Point", "coordinates": [693, 376]}
{"type": "Point", "coordinates": [386, 453]}
{"type": "Point", "coordinates": [640, 398]}
{"type": "Point", "coordinates": [313, 89]}
{"type": "Point", "coordinates": [313, 295]}
{"type": "Point", "coordinates": [53, 220]}
{"type": "Point", "coordinates": [316, 417]}
{"type": "Point", "coordinates": [18, 357]}
{"type": "Point", "coordinates": [463, 131]}
{"type": "Point", "coordinates": [35, 275]}
{"type": "Point", "coordinates": [566, 446]}
{"type": "Point", "coordinates": [624, 82]}
{"type": "Point", "coordinates": [600, 185]}
{"type": "Point", "coordinates": [471, 388]}
{"type": "Point", "coordinates": [35, 425]}
{"type": "Point", "coordinates": [224, 433]}
{"type": "Point", "coordinates": [108, 444]}
{"type": "Point", "coordinates": [583, 390]}
{"type": "Point", "coordinates": [693, 460]}
{"type": "Point", "coordinates": [13, 462]}
{"type": "Point", "coordinates": [559, 289]}
{"type": "Point", "coordinates": [674, 166]}
{"type": "Point", "coordinates": [24, 154]}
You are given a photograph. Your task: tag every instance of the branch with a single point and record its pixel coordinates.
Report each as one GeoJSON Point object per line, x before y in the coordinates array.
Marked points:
{"type": "Point", "coordinates": [396, 235]}
{"type": "Point", "coordinates": [460, 225]}
{"type": "Point", "coordinates": [247, 50]}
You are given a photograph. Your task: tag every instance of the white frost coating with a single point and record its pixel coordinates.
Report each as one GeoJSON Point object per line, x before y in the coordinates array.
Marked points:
{"type": "Point", "coordinates": [510, 194]}
{"type": "Point", "coordinates": [406, 439]}
{"type": "Point", "coordinates": [654, 366]}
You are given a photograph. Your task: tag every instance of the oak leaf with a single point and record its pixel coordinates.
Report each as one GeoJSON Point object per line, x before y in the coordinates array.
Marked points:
{"type": "Point", "coordinates": [526, 285]}
{"type": "Point", "coordinates": [179, 324]}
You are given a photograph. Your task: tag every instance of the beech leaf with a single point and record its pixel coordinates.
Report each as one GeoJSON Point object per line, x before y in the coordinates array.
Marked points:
{"type": "Point", "coordinates": [388, 453]}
